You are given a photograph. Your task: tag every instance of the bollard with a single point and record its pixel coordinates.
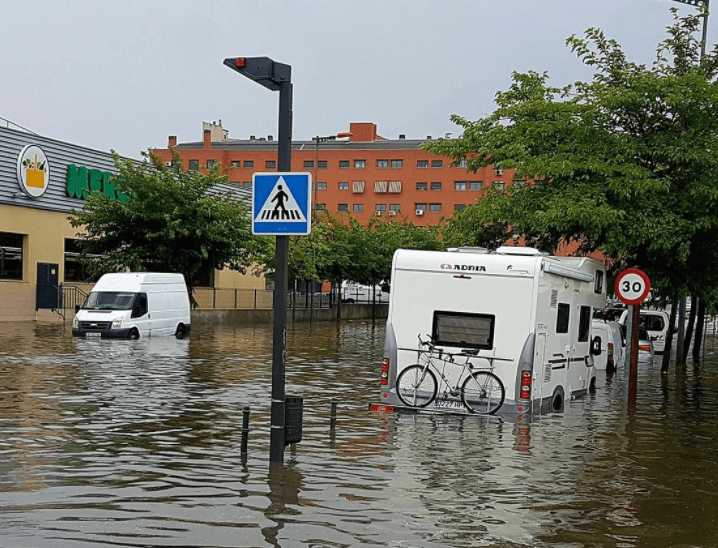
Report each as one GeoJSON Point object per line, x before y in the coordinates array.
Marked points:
{"type": "Point", "coordinates": [293, 419]}
{"type": "Point", "coordinates": [245, 430]}
{"type": "Point", "coordinates": [333, 417]}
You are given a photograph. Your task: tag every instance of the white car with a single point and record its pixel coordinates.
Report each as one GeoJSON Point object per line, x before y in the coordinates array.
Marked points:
{"type": "Point", "coordinates": [612, 345]}
{"type": "Point", "coordinates": [656, 323]}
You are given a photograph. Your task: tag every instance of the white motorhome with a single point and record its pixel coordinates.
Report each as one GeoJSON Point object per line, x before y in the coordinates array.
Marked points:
{"type": "Point", "coordinates": [529, 311]}
{"type": "Point", "coordinates": [133, 305]}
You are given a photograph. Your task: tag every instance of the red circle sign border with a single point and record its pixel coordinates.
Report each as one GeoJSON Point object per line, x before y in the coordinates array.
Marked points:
{"type": "Point", "coordinates": [645, 293]}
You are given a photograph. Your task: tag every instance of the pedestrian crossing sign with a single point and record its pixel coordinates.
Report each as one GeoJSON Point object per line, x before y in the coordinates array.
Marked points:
{"type": "Point", "coordinates": [281, 204]}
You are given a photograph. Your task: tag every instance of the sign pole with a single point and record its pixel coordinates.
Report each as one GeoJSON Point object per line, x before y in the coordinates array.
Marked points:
{"type": "Point", "coordinates": [632, 288]}
{"type": "Point", "coordinates": [281, 286]}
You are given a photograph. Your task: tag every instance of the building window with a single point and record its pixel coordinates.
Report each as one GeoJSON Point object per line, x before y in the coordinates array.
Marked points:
{"type": "Point", "coordinates": [499, 185]}
{"type": "Point", "coordinates": [382, 163]}
{"type": "Point", "coordinates": [359, 164]}
{"type": "Point", "coordinates": [381, 186]}
{"type": "Point", "coordinates": [247, 183]}
{"type": "Point", "coordinates": [437, 163]}
{"type": "Point", "coordinates": [395, 207]}
{"type": "Point", "coordinates": [520, 183]}
{"type": "Point", "coordinates": [459, 207]}
{"type": "Point", "coordinates": [498, 171]}
{"type": "Point", "coordinates": [343, 186]}
{"type": "Point", "coordinates": [194, 165]}
{"type": "Point", "coordinates": [435, 186]}
{"type": "Point", "coordinates": [343, 164]}
{"type": "Point", "coordinates": [381, 208]}
{"type": "Point", "coordinates": [236, 164]}
{"type": "Point", "coordinates": [358, 208]}
{"type": "Point", "coordinates": [475, 185]}
{"type": "Point", "coordinates": [421, 207]}
{"type": "Point", "coordinates": [321, 186]}
{"type": "Point", "coordinates": [308, 164]}
{"type": "Point", "coordinates": [422, 164]}
{"type": "Point", "coordinates": [435, 208]}
{"type": "Point", "coordinates": [320, 207]}
{"type": "Point", "coordinates": [395, 187]}
{"type": "Point", "coordinates": [462, 164]}
{"type": "Point", "coordinates": [358, 186]}
{"type": "Point", "coordinates": [10, 256]}
{"type": "Point", "coordinates": [397, 164]}
{"type": "Point", "coordinates": [249, 164]}
{"type": "Point", "coordinates": [270, 164]}
{"type": "Point", "coordinates": [460, 185]}
{"type": "Point", "coordinates": [211, 163]}
{"type": "Point", "coordinates": [421, 186]}
{"type": "Point", "coordinates": [321, 164]}
{"type": "Point", "coordinates": [75, 269]}
{"type": "Point", "coordinates": [343, 207]}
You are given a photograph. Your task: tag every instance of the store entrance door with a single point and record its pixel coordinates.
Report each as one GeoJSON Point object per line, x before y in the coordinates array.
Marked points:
{"type": "Point", "coordinates": [47, 279]}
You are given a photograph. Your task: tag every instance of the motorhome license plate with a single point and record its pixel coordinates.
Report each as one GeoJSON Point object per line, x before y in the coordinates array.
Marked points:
{"type": "Point", "coordinates": [91, 334]}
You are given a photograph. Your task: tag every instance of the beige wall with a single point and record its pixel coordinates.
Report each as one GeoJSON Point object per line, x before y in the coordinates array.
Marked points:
{"type": "Point", "coordinates": [44, 242]}
{"type": "Point", "coordinates": [232, 279]}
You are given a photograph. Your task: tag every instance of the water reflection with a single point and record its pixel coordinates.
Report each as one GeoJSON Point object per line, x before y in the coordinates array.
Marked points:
{"type": "Point", "coordinates": [137, 443]}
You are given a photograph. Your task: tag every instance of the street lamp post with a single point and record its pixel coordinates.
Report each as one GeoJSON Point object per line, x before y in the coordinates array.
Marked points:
{"type": "Point", "coordinates": [705, 21]}
{"type": "Point", "coordinates": [276, 77]}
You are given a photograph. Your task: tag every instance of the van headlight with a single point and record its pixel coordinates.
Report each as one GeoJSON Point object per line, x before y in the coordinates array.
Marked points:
{"type": "Point", "coordinates": [75, 323]}
{"type": "Point", "coordinates": [116, 323]}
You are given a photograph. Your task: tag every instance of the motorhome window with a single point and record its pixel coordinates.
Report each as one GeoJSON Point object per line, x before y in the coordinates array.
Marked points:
{"type": "Point", "coordinates": [564, 312]}
{"type": "Point", "coordinates": [598, 284]}
{"type": "Point", "coordinates": [110, 300]}
{"type": "Point", "coordinates": [464, 330]}
{"type": "Point", "coordinates": [10, 256]}
{"type": "Point", "coordinates": [584, 324]}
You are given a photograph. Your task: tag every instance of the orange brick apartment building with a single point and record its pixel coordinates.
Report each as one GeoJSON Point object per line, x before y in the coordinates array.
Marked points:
{"type": "Point", "coordinates": [360, 172]}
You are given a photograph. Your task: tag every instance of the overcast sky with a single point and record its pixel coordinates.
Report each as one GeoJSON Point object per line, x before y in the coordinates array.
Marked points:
{"type": "Point", "coordinates": [125, 75]}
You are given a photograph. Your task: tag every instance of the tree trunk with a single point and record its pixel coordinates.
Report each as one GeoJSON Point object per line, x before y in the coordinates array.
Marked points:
{"type": "Point", "coordinates": [700, 326]}
{"type": "Point", "coordinates": [689, 328]}
{"type": "Point", "coordinates": [669, 335]}
{"type": "Point", "coordinates": [338, 284]}
{"type": "Point", "coordinates": [681, 328]}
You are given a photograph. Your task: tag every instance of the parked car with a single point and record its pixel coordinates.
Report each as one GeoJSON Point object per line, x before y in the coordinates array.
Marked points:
{"type": "Point", "coordinates": [646, 351]}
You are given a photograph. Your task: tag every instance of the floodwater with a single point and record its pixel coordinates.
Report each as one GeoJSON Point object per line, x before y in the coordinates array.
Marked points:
{"type": "Point", "coordinates": [138, 443]}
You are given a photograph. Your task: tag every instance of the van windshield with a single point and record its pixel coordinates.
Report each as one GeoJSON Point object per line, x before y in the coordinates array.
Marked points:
{"type": "Point", "coordinates": [110, 300]}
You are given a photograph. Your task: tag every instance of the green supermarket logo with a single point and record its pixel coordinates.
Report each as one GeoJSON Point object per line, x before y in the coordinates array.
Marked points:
{"type": "Point", "coordinates": [81, 182]}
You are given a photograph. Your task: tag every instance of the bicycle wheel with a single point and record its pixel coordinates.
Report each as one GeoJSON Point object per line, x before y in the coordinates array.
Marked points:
{"type": "Point", "coordinates": [416, 386]}
{"type": "Point", "coordinates": [482, 392]}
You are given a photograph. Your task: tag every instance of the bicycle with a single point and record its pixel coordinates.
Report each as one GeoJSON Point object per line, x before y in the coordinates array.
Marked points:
{"type": "Point", "coordinates": [480, 392]}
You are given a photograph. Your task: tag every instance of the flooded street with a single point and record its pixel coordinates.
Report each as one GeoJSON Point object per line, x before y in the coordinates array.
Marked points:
{"type": "Point", "coordinates": [137, 443]}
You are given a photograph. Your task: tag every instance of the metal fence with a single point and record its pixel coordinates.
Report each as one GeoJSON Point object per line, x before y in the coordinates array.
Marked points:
{"type": "Point", "coordinates": [209, 298]}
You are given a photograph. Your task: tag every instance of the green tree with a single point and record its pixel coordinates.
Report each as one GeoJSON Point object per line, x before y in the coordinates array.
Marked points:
{"type": "Point", "coordinates": [625, 164]}
{"type": "Point", "coordinates": [173, 221]}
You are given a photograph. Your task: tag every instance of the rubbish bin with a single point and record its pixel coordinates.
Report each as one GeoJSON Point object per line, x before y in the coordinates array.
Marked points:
{"type": "Point", "coordinates": [293, 408]}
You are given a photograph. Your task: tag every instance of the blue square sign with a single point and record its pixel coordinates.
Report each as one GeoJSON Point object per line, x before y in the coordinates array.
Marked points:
{"type": "Point", "coordinates": [281, 204]}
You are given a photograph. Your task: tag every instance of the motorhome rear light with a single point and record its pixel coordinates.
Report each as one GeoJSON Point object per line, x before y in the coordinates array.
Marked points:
{"type": "Point", "coordinates": [385, 378]}
{"type": "Point", "coordinates": [385, 365]}
{"type": "Point", "coordinates": [525, 391]}
{"type": "Point", "coordinates": [381, 408]}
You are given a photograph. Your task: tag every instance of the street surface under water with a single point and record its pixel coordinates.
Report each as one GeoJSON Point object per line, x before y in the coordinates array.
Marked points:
{"type": "Point", "coordinates": [138, 443]}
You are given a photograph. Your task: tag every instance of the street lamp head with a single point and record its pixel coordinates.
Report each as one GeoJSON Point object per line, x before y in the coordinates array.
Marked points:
{"type": "Point", "coordinates": [693, 2]}
{"type": "Point", "coordinates": [262, 70]}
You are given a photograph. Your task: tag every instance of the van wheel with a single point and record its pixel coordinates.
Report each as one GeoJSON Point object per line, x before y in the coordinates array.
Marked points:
{"type": "Point", "coordinates": [181, 332]}
{"type": "Point", "coordinates": [133, 335]}
{"type": "Point", "coordinates": [557, 401]}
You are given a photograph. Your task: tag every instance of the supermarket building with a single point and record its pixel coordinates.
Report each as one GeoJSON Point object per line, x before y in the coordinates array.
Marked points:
{"type": "Point", "coordinates": [42, 181]}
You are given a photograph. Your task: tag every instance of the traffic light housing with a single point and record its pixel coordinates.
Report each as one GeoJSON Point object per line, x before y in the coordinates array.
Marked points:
{"type": "Point", "coordinates": [262, 70]}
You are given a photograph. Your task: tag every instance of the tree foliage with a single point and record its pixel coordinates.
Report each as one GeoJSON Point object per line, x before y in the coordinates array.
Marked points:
{"type": "Point", "coordinates": [174, 221]}
{"type": "Point", "coordinates": [625, 164]}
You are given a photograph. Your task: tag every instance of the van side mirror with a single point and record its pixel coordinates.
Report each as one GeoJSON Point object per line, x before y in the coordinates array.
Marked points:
{"type": "Point", "coordinates": [596, 346]}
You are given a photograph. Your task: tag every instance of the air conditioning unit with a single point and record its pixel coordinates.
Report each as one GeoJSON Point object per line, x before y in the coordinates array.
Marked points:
{"type": "Point", "coordinates": [168, 164]}
{"type": "Point", "coordinates": [377, 213]}
{"type": "Point", "coordinates": [419, 212]}
{"type": "Point", "coordinates": [392, 214]}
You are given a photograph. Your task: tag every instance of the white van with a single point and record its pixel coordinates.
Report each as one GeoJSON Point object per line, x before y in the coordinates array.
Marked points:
{"type": "Point", "coordinates": [656, 323]}
{"type": "Point", "coordinates": [133, 305]}
{"type": "Point", "coordinates": [611, 343]}
{"type": "Point", "coordinates": [528, 312]}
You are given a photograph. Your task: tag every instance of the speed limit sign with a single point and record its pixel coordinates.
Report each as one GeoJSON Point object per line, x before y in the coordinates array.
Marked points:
{"type": "Point", "coordinates": [632, 286]}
